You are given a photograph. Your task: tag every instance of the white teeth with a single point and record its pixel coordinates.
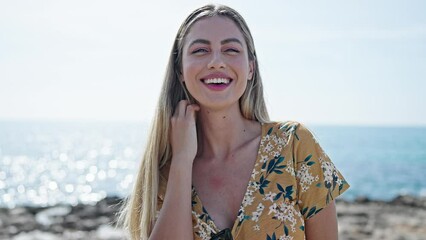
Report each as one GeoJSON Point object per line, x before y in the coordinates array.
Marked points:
{"type": "Point", "coordinates": [216, 80]}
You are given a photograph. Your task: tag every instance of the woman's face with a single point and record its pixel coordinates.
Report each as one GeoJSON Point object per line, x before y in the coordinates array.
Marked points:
{"type": "Point", "coordinates": [215, 64]}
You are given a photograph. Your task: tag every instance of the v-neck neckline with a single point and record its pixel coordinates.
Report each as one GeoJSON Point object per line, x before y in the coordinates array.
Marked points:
{"type": "Point", "coordinates": [256, 165]}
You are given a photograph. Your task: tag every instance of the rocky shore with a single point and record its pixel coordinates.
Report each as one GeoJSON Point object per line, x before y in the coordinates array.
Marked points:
{"type": "Point", "coordinates": [402, 218]}
{"type": "Point", "coordinates": [62, 222]}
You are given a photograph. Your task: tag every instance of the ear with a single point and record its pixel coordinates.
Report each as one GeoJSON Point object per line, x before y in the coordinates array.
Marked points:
{"type": "Point", "coordinates": [251, 70]}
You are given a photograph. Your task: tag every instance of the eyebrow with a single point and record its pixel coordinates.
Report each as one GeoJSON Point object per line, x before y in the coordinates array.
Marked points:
{"type": "Point", "coordinates": [225, 41]}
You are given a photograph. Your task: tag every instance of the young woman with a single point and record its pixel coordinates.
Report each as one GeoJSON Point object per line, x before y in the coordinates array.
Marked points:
{"type": "Point", "coordinates": [215, 167]}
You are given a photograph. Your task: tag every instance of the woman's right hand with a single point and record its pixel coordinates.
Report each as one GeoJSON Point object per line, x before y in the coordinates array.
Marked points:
{"type": "Point", "coordinates": [183, 137]}
{"type": "Point", "coordinates": [184, 131]}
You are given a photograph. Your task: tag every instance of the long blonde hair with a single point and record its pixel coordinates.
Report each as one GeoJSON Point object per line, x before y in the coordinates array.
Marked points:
{"type": "Point", "coordinates": [140, 208]}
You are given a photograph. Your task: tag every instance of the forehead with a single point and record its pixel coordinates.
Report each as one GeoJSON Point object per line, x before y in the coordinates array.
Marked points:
{"type": "Point", "coordinates": [214, 29]}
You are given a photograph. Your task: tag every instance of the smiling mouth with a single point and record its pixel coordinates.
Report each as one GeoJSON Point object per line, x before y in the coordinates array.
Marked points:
{"type": "Point", "coordinates": [217, 81]}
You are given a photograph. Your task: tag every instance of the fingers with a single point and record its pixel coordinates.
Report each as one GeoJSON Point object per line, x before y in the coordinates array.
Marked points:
{"type": "Point", "coordinates": [181, 108]}
{"type": "Point", "coordinates": [191, 109]}
{"type": "Point", "coordinates": [185, 109]}
{"type": "Point", "coordinates": [183, 131]}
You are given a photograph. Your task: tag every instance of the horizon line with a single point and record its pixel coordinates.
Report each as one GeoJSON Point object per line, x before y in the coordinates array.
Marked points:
{"type": "Point", "coordinates": [148, 121]}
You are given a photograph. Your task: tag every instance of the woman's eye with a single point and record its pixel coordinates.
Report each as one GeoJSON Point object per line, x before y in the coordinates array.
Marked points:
{"type": "Point", "coordinates": [232, 50]}
{"type": "Point", "coordinates": [199, 50]}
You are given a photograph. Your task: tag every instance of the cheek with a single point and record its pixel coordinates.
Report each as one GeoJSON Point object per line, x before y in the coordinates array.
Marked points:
{"type": "Point", "coordinates": [191, 67]}
{"type": "Point", "coordinates": [241, 65]}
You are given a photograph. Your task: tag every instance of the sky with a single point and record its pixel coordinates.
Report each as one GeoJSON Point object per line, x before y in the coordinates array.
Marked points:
{"type": "Point", "coordinates": [355, 62]}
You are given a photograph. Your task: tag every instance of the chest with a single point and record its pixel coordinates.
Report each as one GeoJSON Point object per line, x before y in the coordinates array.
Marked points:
{"type": "Point", "coordinates": [221, 187]}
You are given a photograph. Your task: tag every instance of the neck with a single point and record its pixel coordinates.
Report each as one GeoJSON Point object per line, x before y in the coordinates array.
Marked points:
{"type": "Point", "coordinates": [220, 133]}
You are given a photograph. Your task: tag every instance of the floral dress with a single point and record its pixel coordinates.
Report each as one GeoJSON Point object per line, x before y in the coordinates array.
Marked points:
{"type": "Point", "coordinates": [292, 180]}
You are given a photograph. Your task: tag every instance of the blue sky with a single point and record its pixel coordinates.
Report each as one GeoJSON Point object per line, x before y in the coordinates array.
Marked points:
{"type": "Point", "coordinates": [323, 62]}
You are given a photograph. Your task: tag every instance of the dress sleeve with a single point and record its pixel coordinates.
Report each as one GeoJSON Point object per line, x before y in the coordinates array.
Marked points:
{"type": "Point", "coordinates": [318, 180]}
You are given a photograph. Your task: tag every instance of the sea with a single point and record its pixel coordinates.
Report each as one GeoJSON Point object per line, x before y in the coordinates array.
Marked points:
{"type": "Point", "coordinates": [44, 163]}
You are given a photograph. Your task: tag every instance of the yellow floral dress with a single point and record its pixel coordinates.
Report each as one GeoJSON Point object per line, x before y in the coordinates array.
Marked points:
{"type": "Point", "coordinates": [292, 180]}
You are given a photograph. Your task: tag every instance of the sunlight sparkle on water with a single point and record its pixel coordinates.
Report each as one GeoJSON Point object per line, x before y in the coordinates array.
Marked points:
{"type": "Point", "coordinates": [47, 165]}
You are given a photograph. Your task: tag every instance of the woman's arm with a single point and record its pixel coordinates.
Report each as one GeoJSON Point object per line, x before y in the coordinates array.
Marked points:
{"type": "Point", "coordinates": [175, 218]}
{"type": "Point", "coordinates": [323, 226]}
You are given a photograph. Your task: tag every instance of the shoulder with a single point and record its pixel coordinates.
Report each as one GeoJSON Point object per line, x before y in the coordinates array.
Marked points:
{"type": "Point", "coordinates": [293, 133]}
{"type": "Point", "coordinates": [287, 128]}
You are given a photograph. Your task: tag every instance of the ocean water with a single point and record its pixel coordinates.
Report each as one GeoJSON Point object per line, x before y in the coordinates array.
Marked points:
{"type": "Point", "coordinates": [378, 162]}
{"type": "Point", "coordinates": [46, 163]}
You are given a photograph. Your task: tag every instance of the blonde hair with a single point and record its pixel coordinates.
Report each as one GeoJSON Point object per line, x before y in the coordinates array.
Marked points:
{"type": "Point", "coordinates": [140, 208]}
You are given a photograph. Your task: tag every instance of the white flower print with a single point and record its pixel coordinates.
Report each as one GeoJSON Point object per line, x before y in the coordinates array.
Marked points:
{"type": "Point", "coordinates": [248, 200]}
{"type": "Point", "coordinates": [273, 209]}
{"type": "Point", "coordinates": [253, 175]}
{"type": "Point", "coordinates": [269, 196]}
{"type": "Point", "coordinates": [264, 158]}
{"type": "Point", "coordinates": [258, 212]}
{"type": "Point", "coordinates": [268, 147]}
{"type": "Point", "coordinates": [275, 154]}
{"type": "Point", "coordinates": [241, 216]}
{"type": "Point", "coordinates": [266, 138]}
{"type": "Point", "coordinates": [255, 216]}
{"type": "Point", "coordinates": [329, 171]}
{"type": "Point", "coordinates": [204, 229]}
{"type": "Point", "coordinates": [275, 139]}
{"type": "Point", "coordinates": [282, 141]}
{"type": "Point", "coordinates": [255, 185]}
{"type": "Point", "coordinates": [260, 207]}
{"type": "Point", "coordinates": [305, 177]}
{"type": "Point", "coordinates": [250, 192]}
{"type": "Point", "coordinates": [286, 213]}
{"type": "Point", "coordinates": [242, 208]}
{"type": "Point", "coordinates": [256, 227]}
{"type": "Point", "coordinates": [290, 169]}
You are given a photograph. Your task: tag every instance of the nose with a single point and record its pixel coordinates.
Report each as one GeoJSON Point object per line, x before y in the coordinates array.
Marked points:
{"type": "Point", "coordinates": [216, 61]}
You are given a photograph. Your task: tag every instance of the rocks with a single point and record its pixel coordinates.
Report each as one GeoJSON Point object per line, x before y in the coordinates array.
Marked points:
{"type": "Point", "coordinates": [401, 218]}
{"type": "Point", "coordinates": [407, 200]}
{"type": "Point", "coordinates": [52, 215]}
{"type": "Point", "coordinates": [62, 222]}
{"type": "Point", "coordinates": [103, 233]}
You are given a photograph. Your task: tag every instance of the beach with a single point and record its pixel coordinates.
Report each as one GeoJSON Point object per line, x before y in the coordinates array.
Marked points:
{"type": "Point", "coordinates": [63, 165]}
{"type": "Point", "coordinates": [402, 218]}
